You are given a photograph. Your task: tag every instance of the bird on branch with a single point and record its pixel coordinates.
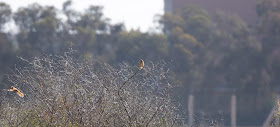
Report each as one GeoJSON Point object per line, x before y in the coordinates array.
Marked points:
{"type": "Point", "coordinates": [141, 64]}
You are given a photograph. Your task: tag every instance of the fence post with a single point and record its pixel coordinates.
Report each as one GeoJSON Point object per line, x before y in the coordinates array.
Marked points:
{"type": "Point", "coordinates": [191, 109]}
{"type": "Point", "coordinates": [277, 123]}
{"type": "Point", "coordinates": [233, 110]}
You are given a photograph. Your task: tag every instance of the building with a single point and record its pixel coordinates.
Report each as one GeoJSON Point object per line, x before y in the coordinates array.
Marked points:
{"type": "Point", "coordinates": [246, 9]}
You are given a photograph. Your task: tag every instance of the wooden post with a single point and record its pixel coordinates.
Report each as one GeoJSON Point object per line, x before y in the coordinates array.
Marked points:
{"type": "Point", "coordinates": [191, 110]}
{"type": "Point", "coordinates": [233, 110]}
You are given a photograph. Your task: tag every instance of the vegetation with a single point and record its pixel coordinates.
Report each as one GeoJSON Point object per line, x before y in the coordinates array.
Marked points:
{"type": "Point", "coordinates": [206, 53]}
{"type": "Point", "coordinates": [63, 91]}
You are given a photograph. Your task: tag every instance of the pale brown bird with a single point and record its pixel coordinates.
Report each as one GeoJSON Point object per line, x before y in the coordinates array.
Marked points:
{"type": "Point", "coordinates": [17, 91]}
{"type": "Point", "coordinates": [141, 64]}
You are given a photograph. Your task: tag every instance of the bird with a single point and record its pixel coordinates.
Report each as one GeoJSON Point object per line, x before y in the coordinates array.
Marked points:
{"type": "Point", "coordinates": [141, 64]}
{"type": "Point", "coordinates": [17, 91]}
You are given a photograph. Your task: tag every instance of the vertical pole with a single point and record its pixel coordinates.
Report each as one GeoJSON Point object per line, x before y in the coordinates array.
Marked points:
{"type": "Point", "coordinates": [190, 109]}
{"type": "Point", "coordinates": [277, 123]}
{"type": "Point", "coordinates": [233, 110]}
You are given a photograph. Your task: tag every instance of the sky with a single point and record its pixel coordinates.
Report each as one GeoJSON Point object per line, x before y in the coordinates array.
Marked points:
{"type": "Point", "coordinates": [135, 14]}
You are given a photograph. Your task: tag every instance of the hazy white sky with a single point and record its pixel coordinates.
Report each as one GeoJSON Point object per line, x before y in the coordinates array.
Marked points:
{"type": "Point", "coordinates": [134, 13]}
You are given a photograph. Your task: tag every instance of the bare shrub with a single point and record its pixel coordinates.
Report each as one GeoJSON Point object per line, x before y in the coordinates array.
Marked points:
{"type": "Point", "coordinates": [64, 91]}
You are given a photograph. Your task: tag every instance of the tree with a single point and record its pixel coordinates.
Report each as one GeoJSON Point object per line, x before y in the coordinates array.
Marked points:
{"type": "Point", "coordinates": [134, 44]}
{"type": "Point", "coordinates": [39, 30]}
{"type": "Point", "coordinates": [269, 31]}
{"type": "Point", "coordinates": [7, 49]}
{"type": "Point", "coordinates": [5, 14]}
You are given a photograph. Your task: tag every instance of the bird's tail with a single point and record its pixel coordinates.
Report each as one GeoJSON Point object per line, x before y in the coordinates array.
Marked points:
{"type": "Point", "coordinates": [20, 94]}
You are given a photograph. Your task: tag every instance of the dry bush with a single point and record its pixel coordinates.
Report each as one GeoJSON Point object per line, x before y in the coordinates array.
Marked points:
{"type": "Point", "coordinates": [64, 91]}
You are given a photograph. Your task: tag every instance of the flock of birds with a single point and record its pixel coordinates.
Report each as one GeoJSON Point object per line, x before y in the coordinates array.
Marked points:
{"type": "Point", "coordinates": [13, 89]}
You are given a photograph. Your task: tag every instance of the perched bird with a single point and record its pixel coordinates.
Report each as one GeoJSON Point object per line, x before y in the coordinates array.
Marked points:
{"type": "Point", "coordinates": [141, 64]}
{"type": "Point", "coordinates": [17, 91]}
